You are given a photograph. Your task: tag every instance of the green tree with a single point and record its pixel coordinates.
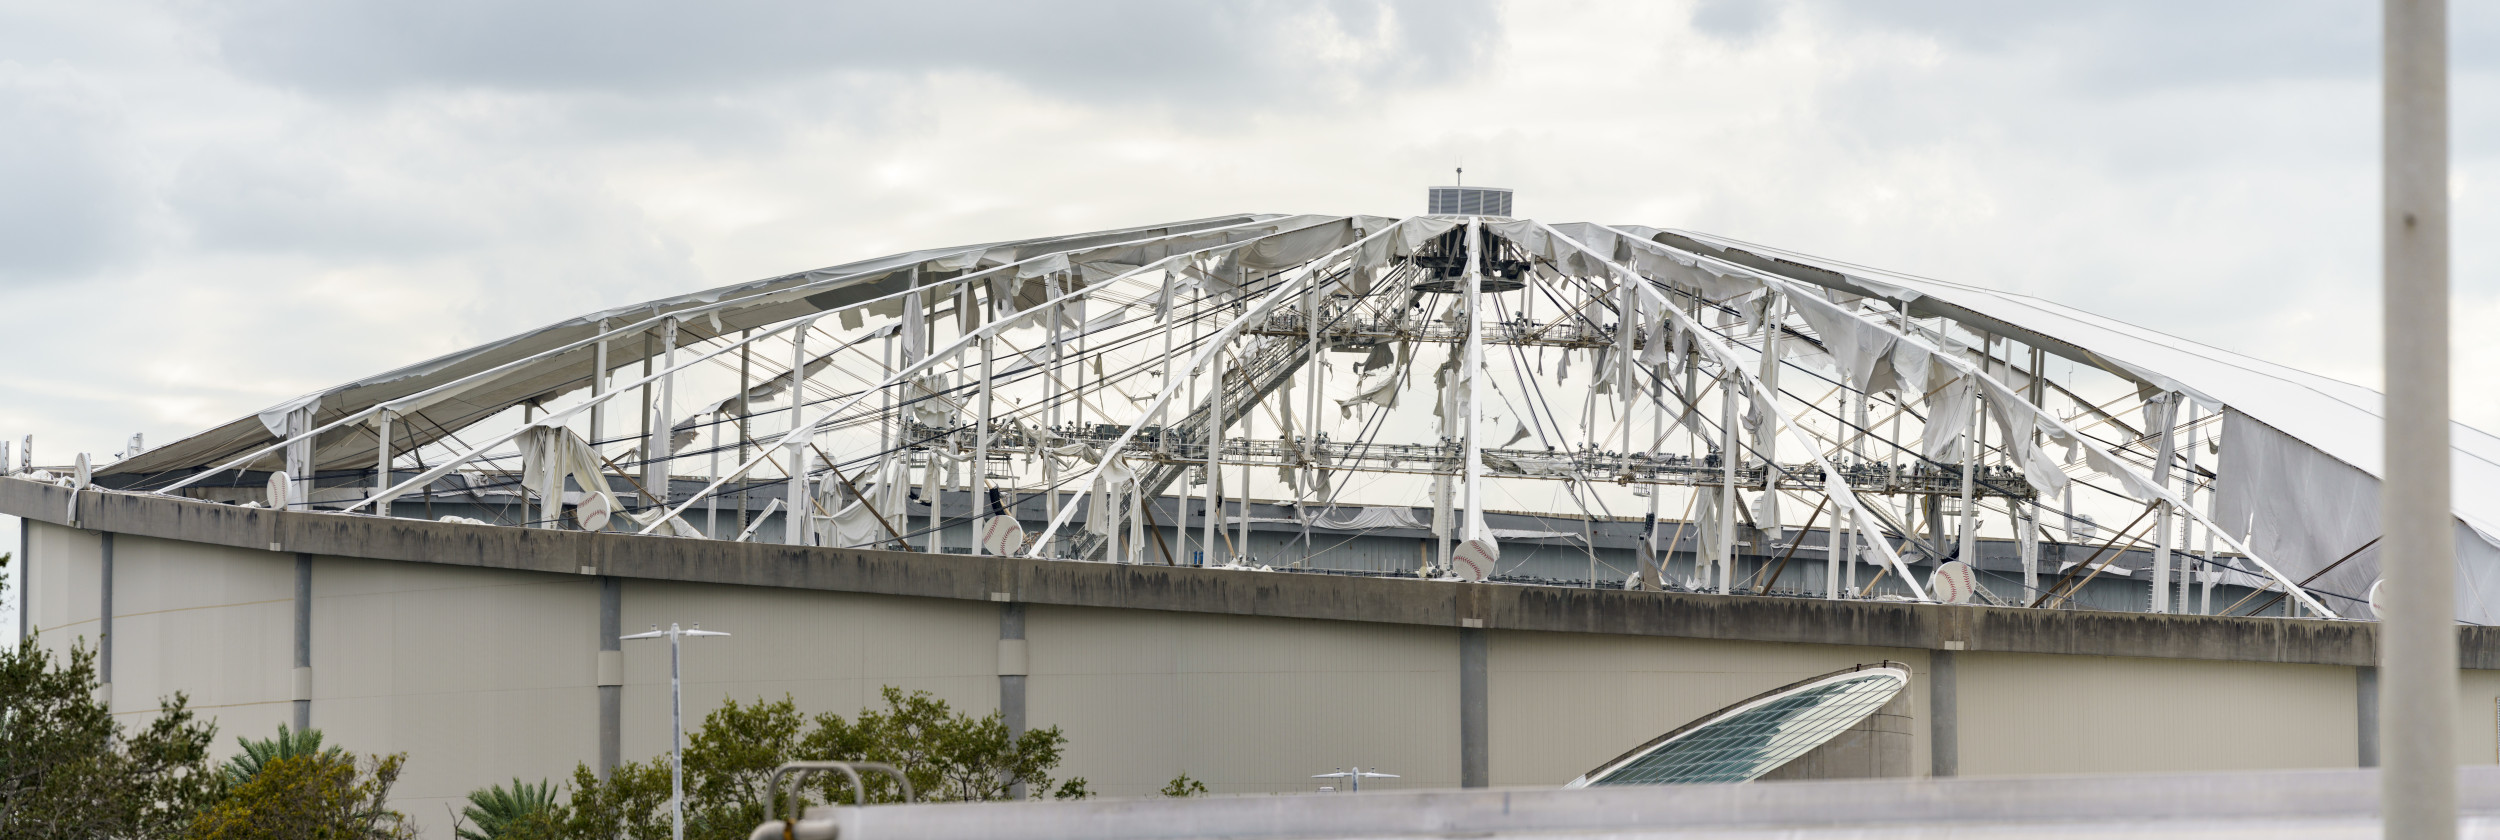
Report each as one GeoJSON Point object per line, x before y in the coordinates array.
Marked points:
{"type": "Point", "coordinates": [68, 770]}
{"type": "Point", "coordinates": [1183, 786]}
{"type": "Point", "coordinates": [320, 795]}
{"type": "Point", "coordinates": [256, 753]}
{"type": "Point", "coordinates": [521, 812]}
{"type": "Point", "coordinates": [729, 762]}
{"type": "Point", "coordinates": [948, 755]}
{"type": "Point", "coordinates": [631, 802]}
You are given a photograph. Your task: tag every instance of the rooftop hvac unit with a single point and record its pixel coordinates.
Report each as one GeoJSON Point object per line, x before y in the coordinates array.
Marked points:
{"type": "Point", "coordinates": [1469, 201]}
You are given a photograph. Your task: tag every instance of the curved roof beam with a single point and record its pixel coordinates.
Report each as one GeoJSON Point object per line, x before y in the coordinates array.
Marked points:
{"type": "Point", "coordinates": [2138, 484]}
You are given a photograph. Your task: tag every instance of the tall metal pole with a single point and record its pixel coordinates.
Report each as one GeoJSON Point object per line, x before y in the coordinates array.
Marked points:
{"type": "Point", "coordinates": [676, 736]}
{"type": "Point", "coordinates": [676, 718]}
{"type": "Point", "coordinates": [2418, 642]}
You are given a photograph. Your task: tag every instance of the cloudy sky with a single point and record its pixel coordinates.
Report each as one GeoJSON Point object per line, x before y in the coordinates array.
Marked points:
{"type": "Point", "coordinates": [208, 207]}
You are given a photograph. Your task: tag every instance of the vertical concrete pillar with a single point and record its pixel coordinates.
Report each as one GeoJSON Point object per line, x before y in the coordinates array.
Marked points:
{"type": "Point", "coordinates": [1474, 766]}
{"type": "Point", "coordinates": [611, 674]}
{"type": "Point", "coordinates": [2418, 641]}
{"type": "Point", "coordinates": [1943, 715]}
{"type": "Point", "coordinates": [303, 642]}
{"type": "Point", "coordinates": [25, 574]}
{"type": "Point", "coordinates": [1013, 666]}
{"type": "Point", "coordinates": [104, 624]}
{"type": "Point", "coordinates": [2365, 713]}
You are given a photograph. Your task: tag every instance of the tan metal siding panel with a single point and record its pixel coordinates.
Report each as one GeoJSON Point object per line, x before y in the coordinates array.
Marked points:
{"type": "Point", "coordinates": [828, 651]}
{"type": "Point", "coordinates": [1248, 705]}
{"type": "Point", "coordinates": [215, 623]}
{"type": "Point", "coordinates": [2024, 713]}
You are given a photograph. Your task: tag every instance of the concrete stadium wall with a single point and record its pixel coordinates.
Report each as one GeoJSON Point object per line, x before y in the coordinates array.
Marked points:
{"type": "Point", "coordinates": [477, 650]}
{"type": "Point", "coordinates": [478, 674]}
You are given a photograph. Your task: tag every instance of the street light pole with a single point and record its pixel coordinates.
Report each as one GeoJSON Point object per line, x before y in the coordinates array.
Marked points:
{"type": "Point", "coordinates": [2418, 640]}
{"type": "Point", "coordinates": [676, 719]}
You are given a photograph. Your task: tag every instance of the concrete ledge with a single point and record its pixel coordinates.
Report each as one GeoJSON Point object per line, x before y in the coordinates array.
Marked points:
{"type": "Point", "coordinates": [1187, 589]}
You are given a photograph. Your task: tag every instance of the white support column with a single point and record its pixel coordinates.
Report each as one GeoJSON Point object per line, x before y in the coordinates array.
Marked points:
{"type": "Point", "coordinates": [2205, 606]}
{"type": "Point", "coordinates": [550, 504]}
{"type": "Point", "coordinates": [1319, 380]}
{"type": "Point", "coordinates": [1655, 577]}
{"type": "Point", "coordinates": [299, 458]}
{"type": "Point", "coordinates": [1626, 326]}
{"type": "Point", "coordinates": [381, 459]}
{"type": "Point", "coordinates": [1770, 376]}
{"type": "Point", "coordinates": [2163, 455]}
{"type": "Point", "coordinates": [655, 466]}
{"type": "Point", "coordinates": [1163, 440]}
{"type": "Point", "coordinates": [1444, 501]}
{"type": "Point", "coordinates": [1688, 412]}
{"type": "Point", "coordinates": [931, 489]}
{"type": "Point", "coordinates": [1317, 364]}
{"type": "Point", "coordinates": [1836, 545]}
{"type": "Point", "coordinates": [889, 425]}
{"type": "Point", "coordinates": [2030, 524]}
{"type": "Point", "coordinates": [1249, 435]}
{"type": "Point", "coordinates": [1857, 456]}
{"type": "Point", "coordinates": [1901, 408]}
{"type": "Point", "coordinates": [711, 502]}
{"type": "Point", "coordinates": [1723, 555]}
{"type": "Point", "coordinates": [1471, 363]}
{"type": "Point", "coordinates": [1968, 550]}
{"type": "Point", "coordinates": [933, 492]}
{"type": "Point", "coordinates": [2187, 524]}
{"type": "Point", "coordinates": [1109, 504]}
{"type": "Point", "coordinates": [1215, 446]}
{"type": "Point", "coordinates": [981, 444]}
{"type": "Point", "coordinates": [599, 387]}
{"type": "Point", "coordinates": [1136, 522]}
{"type": "Point", "coordinates": [797, 514]}
{"type": "Point", "coordinates": [1050, 411]}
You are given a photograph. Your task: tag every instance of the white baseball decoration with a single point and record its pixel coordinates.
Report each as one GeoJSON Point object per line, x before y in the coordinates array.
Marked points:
{"type": "Point", "coordinates": [1953, 582]}
{"type": "Point", "coordinates": [1473, 560]}
{"type": "Point", "coordinates": [592, 514]}
{"type": "Point", "coordinates": [1002, 535]}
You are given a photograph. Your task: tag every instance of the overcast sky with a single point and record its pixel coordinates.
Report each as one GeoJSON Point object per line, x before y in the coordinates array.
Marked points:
{"type": "Point", "coordinates": [208, 207]}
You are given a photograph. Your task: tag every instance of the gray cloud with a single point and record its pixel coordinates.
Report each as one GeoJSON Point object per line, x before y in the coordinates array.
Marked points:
{"type": "Point", "coordinates": [69, 201]}
{"type": "Point", "coordinates": [1176, 53]}
{"type": "Point", "coordinates": [2127, 46]}
{"type": "Point", "coordinates": [1735, 20]}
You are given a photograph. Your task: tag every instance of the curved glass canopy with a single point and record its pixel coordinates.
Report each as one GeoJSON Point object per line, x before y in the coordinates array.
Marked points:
{"type": "Point", "coordinates": [1743, 741]}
